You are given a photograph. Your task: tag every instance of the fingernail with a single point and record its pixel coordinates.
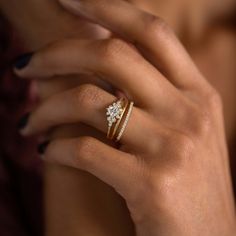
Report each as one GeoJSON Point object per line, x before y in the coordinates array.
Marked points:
{"type": "Point", "coordinates": [23, 121]}
{"type": "Point", "coordinates": [22, 61]}
{"type": "Point", "coordinates": [72, 5]}
{"type": "Point", "coordinates": [42, 147]}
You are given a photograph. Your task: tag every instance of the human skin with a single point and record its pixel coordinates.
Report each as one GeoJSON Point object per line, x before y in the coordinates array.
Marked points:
{"type": "Point", "coordinates": [180, 175]}
{"type": "Point", "coordinates": [70, 207]}
{"type": "Point", "coordinates": [36, 40]}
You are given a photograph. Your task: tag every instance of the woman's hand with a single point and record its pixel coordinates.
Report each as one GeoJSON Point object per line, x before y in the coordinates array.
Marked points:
{"type": "Point", "coordinates": [172, 166]}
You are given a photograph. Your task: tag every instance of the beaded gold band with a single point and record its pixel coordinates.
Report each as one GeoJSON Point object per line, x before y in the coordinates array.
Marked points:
{"type": "Point", "coordinates": [124, 125]}
{"type": "Point", "coordinates": [118, 115]}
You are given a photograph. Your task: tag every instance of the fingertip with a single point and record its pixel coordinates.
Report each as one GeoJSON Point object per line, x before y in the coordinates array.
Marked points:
{"type": "Point", "coordinates": [23, 121]}
{"type": "Point", "coordinates": [42, 147]}
{"type": "Point", "coordinates": [23, 126]}
{"type": "Point", "coordinates": [22, 61]}
{"type": "Point", "coordinates": [71, 5]}
{"type": "Point", "coordinates": [24, 132]}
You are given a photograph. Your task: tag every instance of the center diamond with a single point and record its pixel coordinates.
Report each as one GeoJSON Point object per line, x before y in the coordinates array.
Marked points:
{"type": "Point", "coordinates": [114, 112]}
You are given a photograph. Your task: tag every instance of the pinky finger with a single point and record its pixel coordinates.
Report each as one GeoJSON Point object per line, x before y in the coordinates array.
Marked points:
{"type": "Point", "coordinates": [114, 167]}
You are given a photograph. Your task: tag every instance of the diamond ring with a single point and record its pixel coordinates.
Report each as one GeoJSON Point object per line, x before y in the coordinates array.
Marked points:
{"type": "Point", "coordinates": [118, 115]}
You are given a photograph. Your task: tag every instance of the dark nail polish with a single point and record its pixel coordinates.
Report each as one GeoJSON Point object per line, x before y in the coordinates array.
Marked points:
{"type": "Point", "coordinates": [42, 147]}
{"type": "Point", "coordinates": [22, 61]}
{"type": "Point", "coordinates": [23, 121]}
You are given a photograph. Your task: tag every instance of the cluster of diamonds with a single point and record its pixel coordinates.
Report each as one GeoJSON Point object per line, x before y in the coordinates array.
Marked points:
{"type": "Point", "coordinates": [114, 112]}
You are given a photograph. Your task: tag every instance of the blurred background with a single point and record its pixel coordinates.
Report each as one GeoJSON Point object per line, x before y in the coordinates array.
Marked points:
{"type": "Point", "coordinates": [20, 166]}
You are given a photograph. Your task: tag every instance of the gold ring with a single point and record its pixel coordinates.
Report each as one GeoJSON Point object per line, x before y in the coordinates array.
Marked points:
{"type": "Point", "coordinates": [118, 115]}
{"type": "Point", "coordinates": [126, 120]}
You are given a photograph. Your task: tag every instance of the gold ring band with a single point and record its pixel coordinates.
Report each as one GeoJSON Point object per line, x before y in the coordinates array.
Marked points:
{"type": "Point", "coordinates": [125, 123]}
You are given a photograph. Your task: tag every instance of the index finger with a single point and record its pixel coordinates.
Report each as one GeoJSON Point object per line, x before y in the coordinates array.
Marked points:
{"type": "Point", "coordinates": [163, 48]}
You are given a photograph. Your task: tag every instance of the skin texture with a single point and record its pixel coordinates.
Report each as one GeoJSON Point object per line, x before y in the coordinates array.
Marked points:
{"type": "Point", "coordinates": [49, 88]}
{"type": "Point", "coordinates": [86, 199]}
{"type": "Point", "coordinates": [177, 112]}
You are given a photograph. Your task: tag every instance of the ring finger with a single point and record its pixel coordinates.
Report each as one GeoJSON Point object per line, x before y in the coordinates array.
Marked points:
{"type": "Point", "coordinates": [87, 104]}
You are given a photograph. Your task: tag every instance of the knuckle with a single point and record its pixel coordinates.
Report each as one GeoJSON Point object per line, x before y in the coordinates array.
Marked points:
{"type": "Point", "coordinates": [156, 27]}
{"type": "Point", "coordinates": [180, 148]}
{"type": "Point", "coordinates": [155, 140]}
{"type": "Point", "coordinates": [113, 49]}
{"type": "Point", "coordinates": [201, 116]}
{"type": "Point", "coordinates": [213, 100]}
{"type": "Point", "coordinates": [83, 151]}
{"type": "Point", "coordinates": [198, 121]}
{"type": "Point", "coordinates": [86, 95]}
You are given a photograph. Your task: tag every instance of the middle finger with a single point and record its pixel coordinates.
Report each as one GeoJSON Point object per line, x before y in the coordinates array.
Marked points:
{"type": "Point", "coordinates": [114, 60]}
{"type": "Point", "coordinates": [152, 35]}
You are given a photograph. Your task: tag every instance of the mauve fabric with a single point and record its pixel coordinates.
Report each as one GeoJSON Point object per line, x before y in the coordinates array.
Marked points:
{"type": "Point", "coordinates": [20, 166]}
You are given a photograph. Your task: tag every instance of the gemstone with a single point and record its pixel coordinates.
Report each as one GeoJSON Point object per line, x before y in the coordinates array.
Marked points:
{"type": "Point", "coordinates": [114, 112]}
